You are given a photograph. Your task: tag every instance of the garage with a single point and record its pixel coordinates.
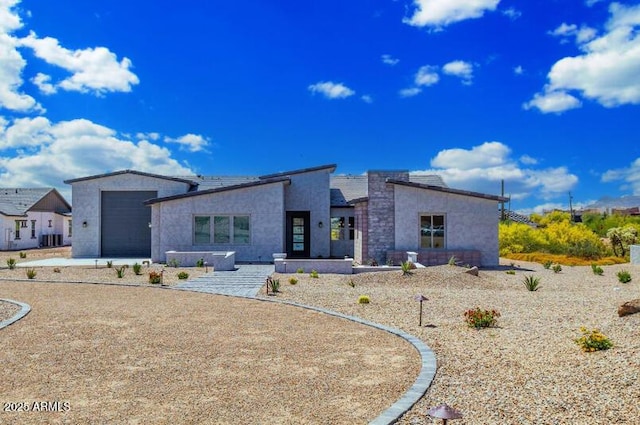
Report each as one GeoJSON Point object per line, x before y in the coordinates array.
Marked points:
{"type": "Point", "coordinates": [125, 222]}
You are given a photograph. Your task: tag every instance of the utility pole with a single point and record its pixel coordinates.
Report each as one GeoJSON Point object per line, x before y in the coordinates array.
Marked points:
{"type": "Point", "coordinates": [571, 207]}
{"type": "Point", "coordinates": [502, 217]}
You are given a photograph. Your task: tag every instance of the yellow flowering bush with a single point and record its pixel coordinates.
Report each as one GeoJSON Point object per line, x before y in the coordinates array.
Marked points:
{"type": "Point", "coordinates": [593, 340]}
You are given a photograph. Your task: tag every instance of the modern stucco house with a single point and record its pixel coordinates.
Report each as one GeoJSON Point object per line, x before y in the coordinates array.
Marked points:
{"type": "Point", "coordinates": [305, 213]}
{"type": "Point", "coordinates": [34, 217]}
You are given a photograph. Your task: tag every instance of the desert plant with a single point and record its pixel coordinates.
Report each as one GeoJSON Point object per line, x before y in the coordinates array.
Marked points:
{"type": "Point", "coordinates": [200, 262]}
{"type": "Point", "coordinates": [137, 269]}
{"type": "Point", "coordinates": [557, 268]}
{"type": "Point", "coordinates": [351, 283]}
{"type": "Point", "coordinates": [31, 273]}
{"type": "Point", "coordinates": [109, 264]}
{"type": "Point", "coordinates": [477, 318]}
{"type": "Point", "coordinates": [547, 264]}
{"type": "Point", "coordinates": [183, 275]}
{"type": "Point", "coordinates": [56, 269]}
{"type": "Point", "coordinates": [510, 272]}
{"type": "Point", "coordinates": [293, 281]}
{"type": "Point", "coordinates": [597, 270]}
{"type": "Point", "coordinates": [23, 255]}
{"type": "Point", "coordinates": [531, 282]}
{"type": "Point", "coordinates": [364, 299]}
{"type": "Point", "coordinates": [273, 285]}
{"type": "Point", "coordinates": [373, 262]}
{"type": "Point", "coordinates": [155, 277]}
{"type": "Point", "coordinates": [11, 263]}
{"type": "Point", "coordinates": [593, 340]}
{"type": "Point", "coordinates": [407, 268]}
{"type": "Point", "coordinates": [452, 260]}
{"type": "Point", "coordinates": [624, 276]}
{"type": "Point", "coordinates": [314, 274]}
{"type": "Point", "coordinates": [174, 263]}
{"type": "Point", "coordinates": [389, 262]}
{"type": "Point", "coordinates": [120, 271]}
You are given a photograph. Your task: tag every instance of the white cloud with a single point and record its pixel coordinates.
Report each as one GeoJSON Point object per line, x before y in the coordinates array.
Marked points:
{"type": "Point", "coordinates": [461, 69]}
{"type": "Point", "coordinates": [58, 151]}
{"type": "Point", "coordinates": [94, 70]}
{"type": "Point", "coordinates": [427, 76]}
{"type": "Point", "coordinates": [628, 176]}
{"type": "Point", "coordinates": [410, 92]}
{"type": "Point", "coordinates": [192, 142]}
{"type": "Point", "coordinates": [483, 167]}
{"type": "Point", "coordinates": [440, 13]}
{"type": "Point", "coordinates": [331, 90]}
{"type": "Point", "coordinates": [148, 136]}
{"type": "Point", "coordinates": [366, 98]}
{"type": "Point", "coordinates": [607, 72]}
{"type": "Point", "coordinates": [42, 81]}
{"type": "Point", "coordinates": [582, 34]}
{"type": "Point", "coordinates": [518, 70]}
{"type": "Point", "coordinates": [512, 13]}
{"type": "Point", "coordinates": [389, 60]}
{"type": "Point", "coordinates": [528, 160]}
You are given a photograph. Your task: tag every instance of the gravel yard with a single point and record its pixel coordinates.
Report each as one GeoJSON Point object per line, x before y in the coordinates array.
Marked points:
{"type": "Point", "coordinates": [140, 355]}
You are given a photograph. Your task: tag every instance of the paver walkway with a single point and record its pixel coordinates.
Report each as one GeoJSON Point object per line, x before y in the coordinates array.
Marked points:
{"type": "Point", "coordinates": [245, 281]}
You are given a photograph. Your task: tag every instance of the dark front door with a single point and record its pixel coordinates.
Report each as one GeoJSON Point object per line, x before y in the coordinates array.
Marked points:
{"type": "Point", "coordinates": [298, 243]}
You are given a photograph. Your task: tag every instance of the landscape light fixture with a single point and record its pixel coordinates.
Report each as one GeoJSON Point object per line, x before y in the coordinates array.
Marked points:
{"type": "Point", "coordinates": [420, 298]}
{"type": "Point", "coordinates": [444, 412]}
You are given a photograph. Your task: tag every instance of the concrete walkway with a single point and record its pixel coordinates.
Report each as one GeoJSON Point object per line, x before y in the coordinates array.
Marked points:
{"type": "Point", "coordinates": [245, 281]}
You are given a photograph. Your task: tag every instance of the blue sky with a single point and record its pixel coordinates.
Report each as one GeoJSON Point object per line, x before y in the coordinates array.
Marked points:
{"type": "Point", "coordinates": [545, 95]}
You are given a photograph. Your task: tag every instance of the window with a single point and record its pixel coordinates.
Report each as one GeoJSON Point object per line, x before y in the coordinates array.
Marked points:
{"type": "Point", "coordinates": [49, 223]}
{"type": "Point", "coordinates": [201, 230]}
{"type": "Point", "coordinates": [227, 229]}
{"type": "Point", "coordinates": [17, 235]}
{"type": "Point", "coordinates": [33, 229]}
{"type": "Point", "coordinates": [70, 222]}
{"type": "Point", "coordinates": [432, 231]}
{"type": "Point", "coordinates": [338, 228]}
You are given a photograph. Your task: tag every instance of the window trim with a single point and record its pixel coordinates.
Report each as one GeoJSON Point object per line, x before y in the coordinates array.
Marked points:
{"type": "Point", "coordinates": [444, 229]}
{"type": "Point", "coordinates": [231, 231]}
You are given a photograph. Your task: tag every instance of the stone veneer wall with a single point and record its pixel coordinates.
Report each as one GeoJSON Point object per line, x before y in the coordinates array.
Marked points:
{"type": "Point", "coordinates": [380, 235]}
{"type": "Point", "coordinates": [360, 247]}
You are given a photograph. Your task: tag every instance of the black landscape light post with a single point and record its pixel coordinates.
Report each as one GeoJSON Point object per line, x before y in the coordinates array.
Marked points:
{"type": "Point", "coordinates": [420, 298]}
{"type": "Point", "coordinates": [444, 412]}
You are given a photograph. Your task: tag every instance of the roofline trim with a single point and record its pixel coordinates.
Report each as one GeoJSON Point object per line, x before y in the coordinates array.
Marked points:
{"type": "Point", "coordinates": [449, 190]}
{"type": "Point", "coordinates": [139, 173]}
{"type": "Point", "coordinates": [331, 167]}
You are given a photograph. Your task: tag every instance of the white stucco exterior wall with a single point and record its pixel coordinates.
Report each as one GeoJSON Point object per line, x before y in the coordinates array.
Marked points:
{"type": "Point", "coordinates": [173, 221]}
{"type": "Point", "coordinates": [471, 222]}
{"type": "Point", "coordinates": [86, 195]}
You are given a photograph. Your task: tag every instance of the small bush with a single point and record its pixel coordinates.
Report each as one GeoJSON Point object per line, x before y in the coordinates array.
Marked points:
{"type": "Point", "coordinates": [407, 268]}
{"type": "Point", "coordinates": [597, 270]}
{"type": "Point", "coordinates": [547, 264]}
{"type": "Point", "coordinates": [300, 270]}
{"type": "Point", "coordinates": [23, 255]}
{"type": "Point", "coordinates": [137, 269]}
{"type": "Point", "coordinates": [364, 299]}
{"type": "Point", "coordinates": [557, 268]}
{"type": "Point", "coordinates": [373, 262]}
{"type": "Point", "coordinates": [200, 262]}
{"type": "Point", "coordinates": [593, 340]}
{"type": "Point", "coordinates": [477, 318]}
{"type": "Point", "coordinates": [532, 283]}
{"type": "Point", "coordinates": [314, 274]}
{"type": "Point", "coordinates": [183, 275]}
{"type": "Point", "coordinates": [293, 281]}
{"type": "Point", "coordinates": [109, 264]}
{"type": "Point", "coordinates": [351, 283]}
{"type": "Point", "coordinates": [510, 272]}
{"type": "Point", "coordinates": [31, 273]}
{"type": "Point", "coordinates": [273, 285]}
{"type": "Point", "coordinates": [453, 260]}
{"type": "Point", "coordinates": [120, 271]}
{"type": "Point", "coordinates": [624, 276]}
{"type": "Point", "coordinates": [56, 269]}
{"type": "Point", "coordinates": [11, 263]}
{"type": "Point", "coordinates": [174, 263]}
{"type": "Point", "coordinates": [155, 277]}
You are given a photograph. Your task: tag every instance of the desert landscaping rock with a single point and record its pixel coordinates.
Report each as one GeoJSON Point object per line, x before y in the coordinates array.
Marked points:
{"type": "Point", "coordinates": [630, 307]}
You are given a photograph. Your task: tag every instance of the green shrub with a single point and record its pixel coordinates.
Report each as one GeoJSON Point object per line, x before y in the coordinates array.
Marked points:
{"type": "Point", "coordinates": [174, 263]}
{"type": "Point", "coordinates": [31, 273]}
{"type": "Point", "coordinates": [593, 340]}
{"type": "Point", "coordinates": [477, 318]}
{"type": "Point", "coordinates": [532, 283]}
{"type": "Point", "coordinates": [597, 270]}
{"type": "Point", "coordinates": [273, 285]}
{"type": "Point", "coordinates": [300, 270]}
{"type": "Point", "coordinates": [557, 268]}
{"type": "Point", "coordinates": [510, 272]}
{"type": "Point", "coordinates": [200, 262]}
{"type": "Point", "coordinates": [109, 264]}
{"type": "Point", "coordinates": [11, 263]}
{"type": "Point", "coordinates": [183, 275]}
{"type": "Point", "coordinates": [120, 271]}
{"type": "Point", "coordinates": [452, 260]}
{"type": "Point", "coordinates": [373, 262]}
{"type": "Point", "coordinates": [547, 264]}
{"type": "Point", "coordinates": [155, 277]}
{"type": "Point", "coordinates": [407, 268]}
{"type": "Point", "coordinates": [351, 283]}
{"type": "Point", "coordinates": [364, 299]}
{"type": "Point", "coordinates": [624, 276]}
{"type": "Point", "coordinates": [56, 269]}
{"type": "Point", "coordinates": [137, 269]}
{"type": "Point", "coordinates": [23, 255]}
{"type": "Point", "coordinates": [293, 281]}
{"type": "Point", "coordinates": [314, 274]}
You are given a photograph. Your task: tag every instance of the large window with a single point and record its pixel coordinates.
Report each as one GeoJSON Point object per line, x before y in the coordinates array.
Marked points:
{"type": "Point", "coordinates": [342, 228]}
{"type": "Point", "coordinates": [227, 229]}
{"type": "Point", "coordinates": [432, 231]}
{"type": "Point", "coordinates": [33, 229]}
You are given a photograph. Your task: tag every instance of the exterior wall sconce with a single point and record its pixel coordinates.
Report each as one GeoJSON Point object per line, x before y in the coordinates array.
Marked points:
{"type": "Point", "coordinates": [150, 225]}
{"type": "Point", "coordinates": [320, 224]}
{"type": "Point", "coordinates": [84, 224]}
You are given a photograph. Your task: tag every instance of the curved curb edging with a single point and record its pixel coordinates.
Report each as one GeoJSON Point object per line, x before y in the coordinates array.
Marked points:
{"type": "Point", "coordinates": [422, 382]}
{"type": "Point", "coordinates": [24, 310]}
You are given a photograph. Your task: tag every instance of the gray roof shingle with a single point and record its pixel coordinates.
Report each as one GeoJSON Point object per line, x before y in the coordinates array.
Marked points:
{"type": "Point", "coordinates": [17, 201]}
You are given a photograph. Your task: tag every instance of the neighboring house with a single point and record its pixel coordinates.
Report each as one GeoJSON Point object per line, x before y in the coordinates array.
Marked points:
{"type": "Point", "coordinates": [306, 213]}
{"type": "Point", "coordinates": [33, 218]}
